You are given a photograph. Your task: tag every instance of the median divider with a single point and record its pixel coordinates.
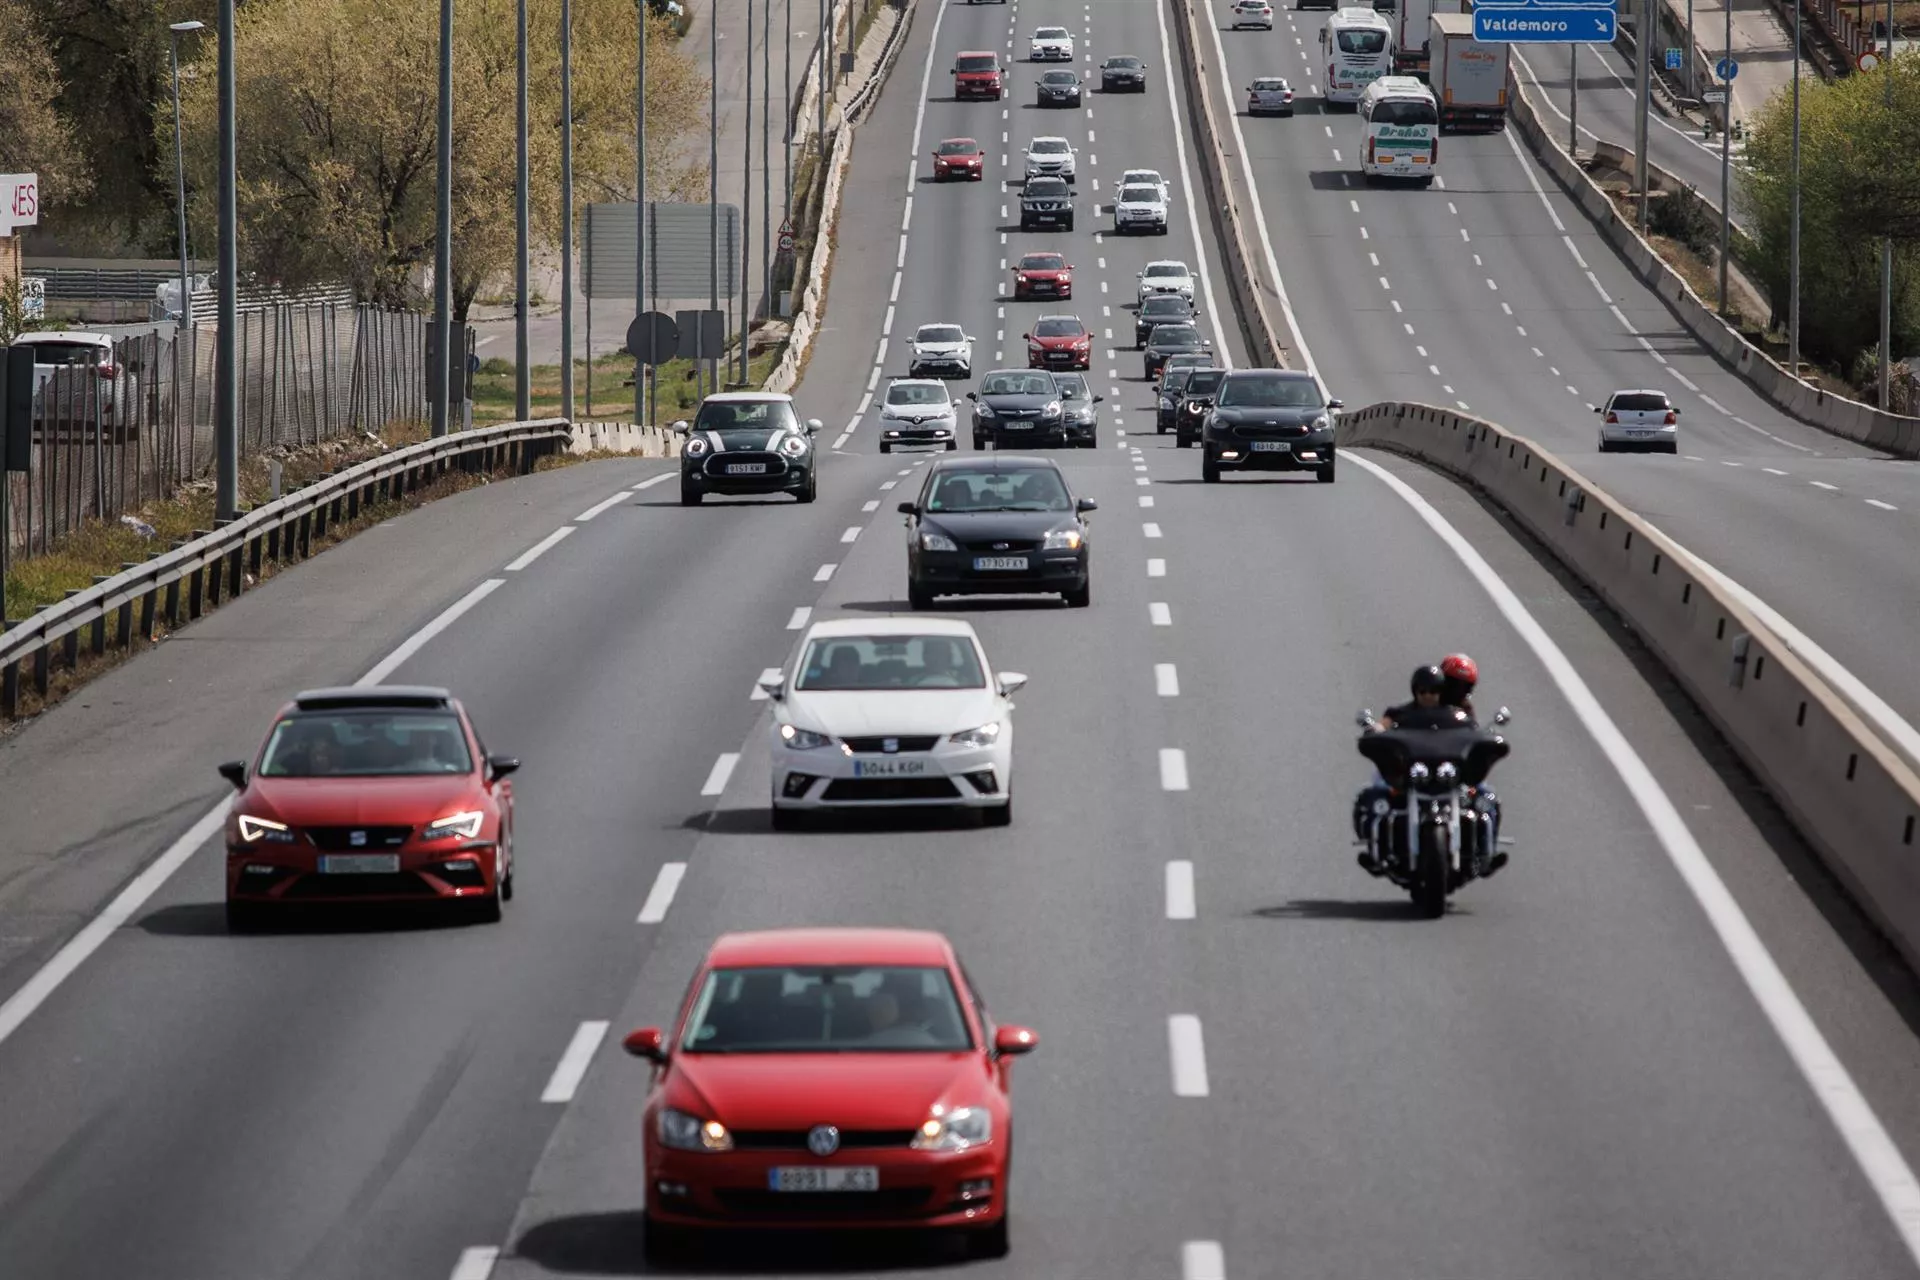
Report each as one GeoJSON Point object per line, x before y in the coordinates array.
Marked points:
{"type": "Point", "coordinates": [1848, 792]}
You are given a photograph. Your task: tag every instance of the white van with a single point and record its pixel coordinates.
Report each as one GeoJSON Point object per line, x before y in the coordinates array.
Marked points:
{"type": "Point", "coordinates": [1399, 130]}
{"type": "Point", "coordinates": [1357, 47]}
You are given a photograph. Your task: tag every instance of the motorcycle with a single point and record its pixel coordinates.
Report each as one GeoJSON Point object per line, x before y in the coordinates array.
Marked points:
{"type": "Point", "coordinates": [1436, 829]}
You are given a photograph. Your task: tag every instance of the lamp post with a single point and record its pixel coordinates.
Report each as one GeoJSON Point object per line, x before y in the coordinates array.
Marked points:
{"type": "Point", "coordinates": [1726, 164]}
{"type": "Point", "coordinates": [1643, 51]}
{"type": "Point", "coordinates": [746, 205]}
{"type": "Point", "coordinates": [523, 379]}
{"type": "Point", "coordinates": [226, 371]}
{"type": "Point", "coordinates": [1886, 250]}
{"type": "Point", "coordinates": [641, 371]}
{"type": "Point", "coordinates": [1793, 233]}
{"type": "Point", "coordinates": [180, 172]}
{"type": "Point", "coordinates": [439, 382]}
{"type": "Point", "coordinates": [713, 201]}
{"type": "Point", "coordinates": [566, 215]}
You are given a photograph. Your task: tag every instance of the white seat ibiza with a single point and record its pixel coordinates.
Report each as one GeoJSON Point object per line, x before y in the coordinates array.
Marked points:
{"type": "Point", "coordinates": [891, 713]}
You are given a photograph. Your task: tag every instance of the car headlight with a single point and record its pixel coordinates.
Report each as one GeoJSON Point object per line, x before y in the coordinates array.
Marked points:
{"type": "Point", "coordinates": [985, 736]}
{"type": "Point", "coordinates": [802, 739]}
{"type": "Point", "coordinates": [694, 447]}
{"type": "Point", "coordinates": [1166, 402]}
{"type": "Point", "coordinates": [465, 826]}
{"type": "Point", "coordinates": [1052, 410]}
{"type": "Point", "coordinates": [257, 830]}
{"type": "Point", "coordinates": [1062, 540]}
{"type": "Point", "coordinates": [985, 410]}
{"type": "Point", "coordinates": [930, 541]}
{"type": "Point", "coordinates": [954, 1130]}
{"type": "Point", "coordinates": [685, 1132]}
{"type": "Point", "coordinates": [1321, 423]}
{"type": "Point", "coordinates": [794, 446]}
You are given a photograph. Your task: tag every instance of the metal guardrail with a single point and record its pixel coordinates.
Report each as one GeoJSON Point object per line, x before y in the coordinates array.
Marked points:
{"type": "Point", "coordinates": [195, 575]}
{"type": "Point", "coordinates": [870, 91]}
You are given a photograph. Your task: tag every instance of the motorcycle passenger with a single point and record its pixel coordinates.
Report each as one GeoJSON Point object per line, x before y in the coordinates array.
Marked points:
{"type": "Point", "coordinates": [1461, 674]}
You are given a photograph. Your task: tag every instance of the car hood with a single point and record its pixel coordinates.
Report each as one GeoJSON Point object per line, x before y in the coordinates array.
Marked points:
{"type": "Point", "coordinates": [940, 348]}
{"type": "Point", "coordinates": [1163, 341]}
{"type": "Point", "coordinates": [1044, 273]}
{"type": "Point", "coordinates": [748, 1091]}
{"type": "Point", "coordinates": [346, 802]}
{"type": "Point", "coordinates": [991, 526]}
{"type": "Point", "coordinates": [904, 712]}
{"type": "Point", "coordinates": [1058, 339]}
{"type": "Point", "coordinates": [916, 412]}
{"type": "Point", "coordinates": [1168, 284]}
{"type": "Point", "coordinates": [1031, 404]}
{"type": "Point", "coordinates": [1263, 415]}
{"type": "Point", "coordinates": [1140, 204]}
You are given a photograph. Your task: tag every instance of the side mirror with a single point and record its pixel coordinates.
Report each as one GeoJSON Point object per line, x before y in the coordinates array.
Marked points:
{"type": "Point", "coordinates": [1085, 505]}
{"type": "Point", "coordinates": [1099, 399]}
{"type": "Point", "coordinates": [646, 1043]}
{"type": "Point", "coordinates": [909, 508]}
{"type": "Point", "coordinates": [1027, 336]}
{"type": "Point", "coordinates": [1502, 716]}
{"type": "Point", "coordinates": [775, 688]}
{"type": "Point", "coordinates": [501, 766]}
{"type": "Point", "coordinates": [1011, 682]}
{"type": "Point", "coordinates": [1336, 404]}
{"type": "Point", "coordinates": [1676, 413]}
{"type": "Point", "coordinates": [973, 395]}
{"type": "Point", "coordinates": [813, 426]}
{"type": "Point", "coordinates": [1206, 342]}
{"type": "Point", "coordinates": [680, 427]}
{"type": "Point", "coordinates": [1011, 1042]}
{"type": "Point", "coordinates": [235, 771]}
{"type": "Point", "coordinates": [1594, 407]}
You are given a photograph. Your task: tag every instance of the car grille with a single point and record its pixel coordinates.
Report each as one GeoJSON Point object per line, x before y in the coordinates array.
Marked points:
{"type": "Point", "coordinates": [878, 746]}
{"type": "Point", "coordinates": [717, 464]}
{"type": "Point", "coordinates": [340, 839]}
{"type": "Point", "coordinates": [894, 1202]}
{"type": "Point", "coordinates": [400, 884]}
{"type": "Point", "coordinates": [1269, 433]}
{"type": "Point", "coordinates": [890, 789]}
{"type": "Point", "coordinates": [796, 1139]}
{"type": "Point", "coordinates": [1002, 547]}
{"type": "Point", "coordinates": [1045, 206]}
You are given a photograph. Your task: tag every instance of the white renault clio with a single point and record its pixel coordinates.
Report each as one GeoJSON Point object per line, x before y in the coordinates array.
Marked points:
{"type": "Point", "coordinates": [889, 713]}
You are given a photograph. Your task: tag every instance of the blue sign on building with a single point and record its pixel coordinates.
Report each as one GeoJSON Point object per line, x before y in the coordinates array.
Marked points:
{"type": "Point", "coordinates": [1673, 59]}
{"type": "Point", "coordinates": [1549, 22]}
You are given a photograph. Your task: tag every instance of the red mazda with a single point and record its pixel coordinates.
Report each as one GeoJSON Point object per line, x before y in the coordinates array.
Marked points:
{"type": "Point", "coordinates": [959, 158]}
{"type": "Point", "coordinates": [829, 1077]}
{"type": "Point", "coordinates": [364, 795]}
{"type": "Point", "coordinates": [1042, 275]}
{"type": "Point", "coordinates": [1059, 342]}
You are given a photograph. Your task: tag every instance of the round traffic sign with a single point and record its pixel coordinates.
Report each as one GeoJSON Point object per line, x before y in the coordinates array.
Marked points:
{"type": "Point", "coordinates": [653, 338]}
{"type": "Point", "coordinates": [1726, 68]}
{"type": "Point", "coordinates": [786, 242]}
{"type": "Point", "coordinates": [1868, 60]}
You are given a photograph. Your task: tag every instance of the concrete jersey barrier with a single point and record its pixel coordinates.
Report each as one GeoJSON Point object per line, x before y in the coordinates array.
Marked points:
{"type": "Point", "coordinates": [1851, 796]}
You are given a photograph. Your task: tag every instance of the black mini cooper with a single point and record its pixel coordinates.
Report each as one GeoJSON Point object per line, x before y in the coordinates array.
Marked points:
{"type": "Point", "coordinates": [747, 442]}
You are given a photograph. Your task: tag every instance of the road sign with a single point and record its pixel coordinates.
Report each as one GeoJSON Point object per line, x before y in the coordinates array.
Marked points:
{"type": "Point", "coordinates": [1714, 95]}
{"type": "Point", "coordinates": [1726, 68]}
{"type": "Point", "coordinates": [33, 297]}
{"type": "Point", "coordinates": [1673, 59]}
{"type": "Point", "coordinates": [786, 242]}
{"type": "Point", "coordinates": [653, 338]}
{"type": "Point", "coordinates": [19, 201]}
{"type": "Point", "coordinates": [1867, 61]}
{"type": "Point", "coordinates": [1543, 24]}
{"type": "Point", "coordinates": [703, 333]}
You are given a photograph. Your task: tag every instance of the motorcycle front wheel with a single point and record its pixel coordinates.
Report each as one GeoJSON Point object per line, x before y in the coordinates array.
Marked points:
{"type": "Point", "coordinates": [1431, 874]}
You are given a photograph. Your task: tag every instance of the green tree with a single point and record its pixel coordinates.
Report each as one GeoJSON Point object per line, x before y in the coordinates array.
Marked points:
{"type": "Point", "coordinates": [1859, 184]}
{"type": "Point", "coordinates": [35, 136]}
{"type": "Point", "coordinates": [335, 143]}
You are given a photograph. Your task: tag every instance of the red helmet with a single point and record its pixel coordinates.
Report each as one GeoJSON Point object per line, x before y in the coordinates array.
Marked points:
{"type": "Point", "coordinates": [1458, 666]}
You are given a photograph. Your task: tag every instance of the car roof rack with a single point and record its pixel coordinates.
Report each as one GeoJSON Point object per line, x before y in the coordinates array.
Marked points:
{"type": "Point", "coordinates": [419, 697]}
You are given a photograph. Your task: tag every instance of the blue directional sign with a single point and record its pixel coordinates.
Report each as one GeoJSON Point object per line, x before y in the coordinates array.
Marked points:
{"type": "Point", "coordinates": [1726, 68]}
{"type": "Point", "coordinates": [1673, 59]}
{"type": "Point", "coordinates": [1543, 23]}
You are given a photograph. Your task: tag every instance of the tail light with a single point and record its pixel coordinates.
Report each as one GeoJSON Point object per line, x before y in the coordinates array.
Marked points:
{"type": "Point", "coordinates": [106, 369]}
{"type": "Point", "coordinates": [1434, 152]}
{"type": "Point", "coordinates": [1369, 150]}
{"type": "Point", "coordinates": [1613, 418]}
{"type": "Point", "coordinates": [1672, 417]}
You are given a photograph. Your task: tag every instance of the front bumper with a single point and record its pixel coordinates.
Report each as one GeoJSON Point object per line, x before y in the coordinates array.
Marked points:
{"type": "Point", "coordinates": [939, 366]}
{"type": "Point", "coordinates": [1055, 98]}
{"type": "Point", "coordinates": [1042, 289]}
{"type": "Point", "coordinates": [1302, 453]}
{"type": "Point", "coordinates": [1051, 53]}
{"type": "Point", "coordinates": [292, 875]}
{"type": "Point", "coordinates": [1079, 431]}
{"type": "Point", "coordinates": [917, 1189]}
{"type": "Point", "coordinates": [908, 433]}
{"type": "Point", "coordinates": [973, 172]}
{"type": "Point", "coordinates": [710, 473]}
{"type": "Point", "coordinates": [830, 778]}
{"type": "Point", "coordinates": [976, 89]}
{"type": "Point", "coordinates": [1139, 222]}
{"type": "Point", "coordinates": [1052, 358]}
{"type": "Point", "coordinates": [1116, 84]}
{"type": "Point", "coordinates": [951, 573]}
{"type": "Point", "coordinates": [1020, 432]}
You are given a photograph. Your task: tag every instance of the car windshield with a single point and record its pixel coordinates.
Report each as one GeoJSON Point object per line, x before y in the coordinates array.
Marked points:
{"type": "Point", "coordinates": [854, 663]}
{"type": "Point", "coordinates": [1270, 389]}
{"type": "Point", "coordinates": [1159, 269]}
{"type": "Point", "coordinates": [1362, 41]}
{"type": "Point", "coordinates": [1175, 377]}
{"type": "Point", "coordinates": [1047, 187]}
{"type": "Point", "coordinates": [827, 1009]}
{"type": "Point", "coordinates": [940, 333]}
{"type": "Point", "coordinates": [1139, 195]}
{"type": "Point", "coordinates": [960, 147]}
{"type": "Point", "coordinates": [67, 353]}
{"type": "Point", "coordinates": [1641, 402]}
{"type": "Point", "coordinates": [1204, 382]}
{"type": "Point", "coordinates": [981, 62]}
{"type": "Point", "coordinates": [916, 393]}
{"type": "Point", "coordinates": [1147, 176]}
{"type": "Point", "coordinates": [1011, 489]}
{"type": "Point", "coordinates": [745, 415]}
{"type": "Point", "coordinates": [1058, 329]}
{"type": "Point", "coordinates": [1050, 33]}
{"type": "Point", "coordinates": [1059, 77]}
{"type": "Point", "coordinates": [1168, 334]}
{"type": "Point", "coordinates": [1049, 146]}
{"type": "Point", "coordinates": [1165, 306]}
{"type": "Point", "coordinates": [1072, 386]}
{"type": "Point", "coordinates": [1017, 384]}
{"type": "Point", "coordinates": [1127, 63]}
{"type": "Point", "coordinates": [1043, 262]}
{"type": "Point", "coordinates": [365, 744]}
{"type": "Point", "coordinates": [1404, 111]}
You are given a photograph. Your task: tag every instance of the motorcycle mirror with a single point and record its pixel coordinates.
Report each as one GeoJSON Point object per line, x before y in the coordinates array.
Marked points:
{"type": "Point", "coordinates": [1365, 717]}
{"type": "Point", "coordinates": [1502, 716]}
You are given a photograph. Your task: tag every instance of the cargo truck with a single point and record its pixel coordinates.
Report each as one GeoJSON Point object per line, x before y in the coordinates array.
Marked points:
{"type": "Point", "coordinates": [1469, 79]}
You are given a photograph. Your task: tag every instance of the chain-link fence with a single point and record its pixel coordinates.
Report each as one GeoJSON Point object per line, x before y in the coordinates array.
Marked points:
{"type": "Point", "coordinates": [118, 426]}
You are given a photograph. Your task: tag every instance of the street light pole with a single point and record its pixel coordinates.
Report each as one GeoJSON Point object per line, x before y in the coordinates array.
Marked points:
{"type": "Point", "coordinates": [1573, 106]}
{"type": "Point", "coordinates": [640, 371]}
{"type": "Point", "coordinates": [226, 371]}
{"type": "Point", "coordinates": [439, 379]}
{"type": "Point", "coordinates": [766, 175]}
{"type": "Point", "coordinates": [1690, 53]}
{"type": "Point", "coordinates": [786, 99]}
{"type": "Point", "coordinates": [1643, 46]}
{"type": "Point", "coordinates": [1793, 235]}
{"type": "Point", "coordinates": [746, 205]}
{"type": "Point", "coordinates": [1726, 162]}
{"type": "Point", "coordinates": [566, 215]}
{"type": "Point", "coordinates": [1886, 249]}
{"type": "Point", "coordinates": [713, 199]}
{"type": "Point", "coordinates": [180, 173]}
{"type": "Point", "coordinates": [523, 377]}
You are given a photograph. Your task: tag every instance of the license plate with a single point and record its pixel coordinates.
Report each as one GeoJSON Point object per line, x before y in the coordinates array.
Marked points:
{"type": "Point", "coordinates": [861, 1177]}
{"type": "Point", "coordinates": [746, 468]}
{"type": "Point", "coordinates": [888, 768]}
{"type": "Point", "coordinates": [1000, 562]}
{"type": "Point", "coordinates": [1271, 446]}
{"type": "Point", "coordinates": [360, 864]}
{"type": "Point", "coordinates": [1019, 426]}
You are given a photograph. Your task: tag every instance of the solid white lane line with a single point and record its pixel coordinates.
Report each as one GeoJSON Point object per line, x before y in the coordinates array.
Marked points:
{"type": "Point", "coordinates": [851, 535]}
{"type": "Point", "coordinates": [1189, 1056]}
{"type": "Point", "coordinates": [1159, 614]}
{"type": "Point", "coordinates": [1156, 568]}
{"type": "Point", "coordinates": [574, 1062]}
{"type": "Point", "coordinates": [1151, 529]}
{"type": "Point", "coordinates": [840, 442]}
{"type": "Point", "coordinates": [824, 572]}
{"type": "Point", "coordinates": [660, 897]}
{"type": "Point", "coordinates": [1180, 905]}
{"type": "Point", "coordinates": [598, 507]}
{"type": "Point", "coordinates": [1166, 680]}
{"type": "Point", "coordinates": [539, 548]}
{"type": "Point", "coordinates": [476, 1262]}
{"type": "Point", "coordinates": [418, 640]}
{"type": "Point", "coordinates": [1884, 506]}
{"type": "Point", "coordinates": [1203, 1260]}
{"type": "Point", "coordinates": [758, 694]}
{"type": "Point", "coordinates": [662, 478]}
{"type": "Point", "coordinates": [1173, 769]}
{"type": "Point", "coordinates": [1827, 1077]}
{"type": "Point", "coordinates": [799, 618]}
{"type": "Point", "coordinates": [717, 776]}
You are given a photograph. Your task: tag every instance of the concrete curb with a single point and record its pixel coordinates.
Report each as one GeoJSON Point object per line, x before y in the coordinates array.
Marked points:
{"type": "Point", "coordinates": [1837, 415]}
{"type": "Point", "coordinates": [1852, 797]}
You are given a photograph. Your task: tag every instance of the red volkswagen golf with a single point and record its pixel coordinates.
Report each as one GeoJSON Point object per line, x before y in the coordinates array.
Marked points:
{"type": "Point", "coordinates": [829, 1077]}
{"type": "Point", "coordinates": [363, 795]}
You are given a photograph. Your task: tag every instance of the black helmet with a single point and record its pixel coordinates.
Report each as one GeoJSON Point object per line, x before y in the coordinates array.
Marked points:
{"type": "Point", "coordinates": [1427, 680]}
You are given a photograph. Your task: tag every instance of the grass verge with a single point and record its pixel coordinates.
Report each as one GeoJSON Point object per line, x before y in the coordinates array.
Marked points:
{"type": "Point", "coordinates": [494, 387]}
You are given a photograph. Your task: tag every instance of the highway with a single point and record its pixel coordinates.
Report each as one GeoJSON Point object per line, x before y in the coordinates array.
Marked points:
{"type": "Point", "coordinates": [1569, 1076]}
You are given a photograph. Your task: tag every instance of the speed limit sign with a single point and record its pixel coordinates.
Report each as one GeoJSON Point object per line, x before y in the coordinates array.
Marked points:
{"type": "Point", "coordinates": [786, 237]}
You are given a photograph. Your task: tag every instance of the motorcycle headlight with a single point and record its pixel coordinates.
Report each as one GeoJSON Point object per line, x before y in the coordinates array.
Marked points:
{"type": "Point", "coordinates": [685, 1132]}
{"type": "Point", "coordinates": [264, 830]}
{"type": "Point", "coordinates": [985, 736]}
{"type": "Point", "coordinates": [930, 541]}
{"type": "Point", "coordinates": [802, 739]}
{"type": "Point", "coordinates": [954, 1130]}
{"type": "Point", "coordinates": [694, 447]}
{"type": "Point", "coordinates": [464, 826]}
{"type": "Point", "coordinates": [1052, 410]}
{"type": "Point", "coordinates": [1062, 540]}
{"type": "Point", "coordinates": [794, 446]}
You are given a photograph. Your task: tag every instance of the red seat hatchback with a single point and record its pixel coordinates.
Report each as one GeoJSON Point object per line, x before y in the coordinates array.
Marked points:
{"type": "Point", "coordinates": [381, 794]}
{"type": "Point", "coordinates": [829, 1077]}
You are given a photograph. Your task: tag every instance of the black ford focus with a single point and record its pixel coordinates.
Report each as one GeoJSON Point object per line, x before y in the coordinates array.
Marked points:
{"type": "Point", "coordinates": [1001, 525]}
